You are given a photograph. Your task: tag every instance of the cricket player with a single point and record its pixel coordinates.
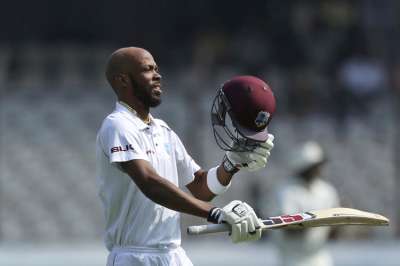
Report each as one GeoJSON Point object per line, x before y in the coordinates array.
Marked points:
{"type": "Point", "coordinates": [141, 163]}
{"type": "Point", "coordinates": [305, 191]}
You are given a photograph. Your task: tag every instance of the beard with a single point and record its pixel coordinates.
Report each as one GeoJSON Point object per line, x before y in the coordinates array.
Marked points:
{"type": "Point", "coordinates": [144, 94]}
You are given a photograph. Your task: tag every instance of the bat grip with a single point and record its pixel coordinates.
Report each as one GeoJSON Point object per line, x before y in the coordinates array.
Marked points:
{"type": "Point", "coordinates": [207, 229]}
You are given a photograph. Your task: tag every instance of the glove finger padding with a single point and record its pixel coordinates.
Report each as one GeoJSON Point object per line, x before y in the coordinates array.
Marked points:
{"type": "Point", "coordinates": [255, 166]}
{"type": "Point", "coordinates": [258, 157]}
{"type": "Point", "coordinates": [239, 232]}
{"type": "Point", "coordinates": [260, 151]}
{"type": "Point", "coordinates": [256, 234]}
{"type": "Point", "coordinates": [239, 159]}
{"type": "Point", "coordinates": [258, 162]}
{"type": "Point", "coordinates": [269, 143]}
{"type": "Point", "coordinates": [255, 221]}
{"type": "Point", "coordinates": [245, 231]}
{"type": "Point", "coordinates": [250, 225]}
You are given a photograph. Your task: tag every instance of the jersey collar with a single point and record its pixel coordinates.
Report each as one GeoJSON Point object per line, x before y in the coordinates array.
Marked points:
{"type": "Point", "coordinates": [135, 119]}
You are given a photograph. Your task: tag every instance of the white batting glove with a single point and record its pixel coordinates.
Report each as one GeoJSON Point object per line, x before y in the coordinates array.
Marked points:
{"type": "Point", "coordinates": [245, 225]}
{"type": "Point", "coordinates": [251, 160]}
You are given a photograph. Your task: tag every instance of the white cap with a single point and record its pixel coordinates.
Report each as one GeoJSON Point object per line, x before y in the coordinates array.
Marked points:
{"type": "Point", "coordinates": [307, 155]}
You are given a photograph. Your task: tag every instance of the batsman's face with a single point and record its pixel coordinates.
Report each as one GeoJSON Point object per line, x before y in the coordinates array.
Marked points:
{"type": "Point", "coordinates": [146, 81]}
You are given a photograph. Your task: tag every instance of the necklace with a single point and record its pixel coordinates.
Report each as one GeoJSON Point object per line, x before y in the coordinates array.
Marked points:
{"type": "Point", "coordinates": [146, 121]}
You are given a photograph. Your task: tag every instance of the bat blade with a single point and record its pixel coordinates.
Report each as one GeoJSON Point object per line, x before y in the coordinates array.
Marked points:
{"type": "Point", "coordinates": [316, 218]}
{"type": "Point", "coordinates": [326, 217]}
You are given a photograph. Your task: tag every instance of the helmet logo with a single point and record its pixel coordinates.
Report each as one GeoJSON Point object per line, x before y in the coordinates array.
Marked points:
{"type": "Point", "coordinates": [262, 119]}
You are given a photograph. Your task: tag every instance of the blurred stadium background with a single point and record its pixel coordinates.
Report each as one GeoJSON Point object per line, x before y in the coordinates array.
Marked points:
{"type": "Point", "coordinates": [334, 67]}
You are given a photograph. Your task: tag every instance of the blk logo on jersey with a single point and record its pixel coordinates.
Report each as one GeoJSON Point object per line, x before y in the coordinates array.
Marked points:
{"type": "Point", "coordinates": [122, 148]}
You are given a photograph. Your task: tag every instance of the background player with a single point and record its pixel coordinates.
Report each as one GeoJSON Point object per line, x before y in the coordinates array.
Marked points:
{"type": "Point", "coordinates": [303, 192]}
{"type": "Point", "coordinates": [141, 162]}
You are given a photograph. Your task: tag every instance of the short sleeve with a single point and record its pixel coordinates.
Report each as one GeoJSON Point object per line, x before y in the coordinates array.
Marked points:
{"type": "Point", "coordinates": [121, 144]}
{"type": "Point", "coordinates": [185, 163]}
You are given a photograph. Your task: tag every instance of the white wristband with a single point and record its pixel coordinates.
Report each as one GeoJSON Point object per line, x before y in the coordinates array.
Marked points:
{"type": "Point", "coordinates": [213, 183]}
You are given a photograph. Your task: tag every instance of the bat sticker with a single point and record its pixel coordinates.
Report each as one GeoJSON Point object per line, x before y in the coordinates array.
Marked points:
{"type": "Point", "coordinates": [288, 218]}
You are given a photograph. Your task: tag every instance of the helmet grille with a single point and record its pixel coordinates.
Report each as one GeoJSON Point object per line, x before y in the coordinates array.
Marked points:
{"type": "Point", "coordinates": [226, 135]}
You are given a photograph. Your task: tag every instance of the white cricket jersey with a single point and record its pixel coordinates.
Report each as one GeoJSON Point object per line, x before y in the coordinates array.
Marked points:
{"type": "Point", "coordinates": [132, 219]}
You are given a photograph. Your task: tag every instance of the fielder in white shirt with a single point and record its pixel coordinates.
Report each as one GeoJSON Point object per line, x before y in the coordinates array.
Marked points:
{"type": "Point", "coordinates": [303, 192]}
{"type": "Point", "coordinates": [141, 163]}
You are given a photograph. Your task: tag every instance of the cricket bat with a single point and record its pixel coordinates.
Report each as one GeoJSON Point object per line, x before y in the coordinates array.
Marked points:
{"type": "Point", "coordinates": [325, 217]}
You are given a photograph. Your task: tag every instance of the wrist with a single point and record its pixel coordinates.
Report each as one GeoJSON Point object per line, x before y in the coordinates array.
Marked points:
{"type": "Point", "coordinates": [214, 183]}
{"type": "Point", "coordinates": [229, 166]}
{"type": "Point", "coordinates": [215, 215]}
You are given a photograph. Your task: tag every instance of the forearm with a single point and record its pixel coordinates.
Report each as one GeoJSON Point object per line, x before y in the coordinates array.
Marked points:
{"type": "Point", "coordinates": [168, 195]}
{"type": "Point", "coordinates": [223, 176]}
{"type": "Point", "coordinates": [162, 191]}
{"type": "Point", "coordinates": [200, 187]}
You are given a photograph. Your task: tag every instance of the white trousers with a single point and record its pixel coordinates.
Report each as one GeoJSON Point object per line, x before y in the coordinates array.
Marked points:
{"type": "Point", "coordinates": [141, 256]}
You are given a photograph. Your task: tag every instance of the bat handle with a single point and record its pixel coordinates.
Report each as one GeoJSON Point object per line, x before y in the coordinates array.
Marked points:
{"type": "Point", "coordinates": [207, 229]}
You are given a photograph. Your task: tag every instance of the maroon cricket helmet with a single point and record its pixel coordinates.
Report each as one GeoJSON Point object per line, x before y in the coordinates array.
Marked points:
{"type": "Point", "coordinates": [249, 104]}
